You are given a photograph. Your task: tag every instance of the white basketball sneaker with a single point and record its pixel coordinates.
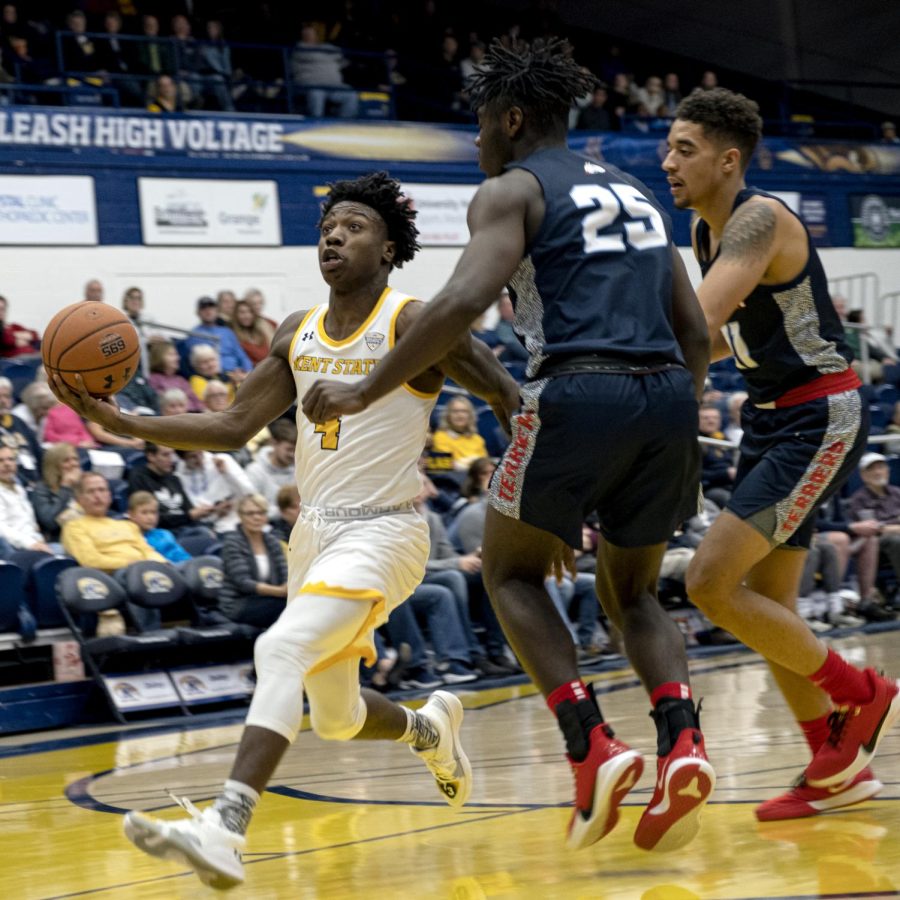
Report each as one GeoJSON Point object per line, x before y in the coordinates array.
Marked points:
{"type": "Point", "coordinates": [200, 842]}
{"type": "Point", "coordinates": [447, 761]}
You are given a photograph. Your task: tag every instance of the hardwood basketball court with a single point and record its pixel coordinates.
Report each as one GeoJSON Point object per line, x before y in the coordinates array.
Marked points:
{"type": "Point", "coordinates": [365, 820]}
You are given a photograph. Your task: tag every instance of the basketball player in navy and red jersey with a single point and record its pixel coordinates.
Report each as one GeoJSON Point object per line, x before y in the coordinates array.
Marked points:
{"type": "Point", "coordinates": [618, 354]}
{"type": "Point", "coordinates": [766, 302]}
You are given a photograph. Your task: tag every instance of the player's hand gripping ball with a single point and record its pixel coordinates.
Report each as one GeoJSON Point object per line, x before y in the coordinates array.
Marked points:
{"type": "Point", "coordinates": [95, 341]}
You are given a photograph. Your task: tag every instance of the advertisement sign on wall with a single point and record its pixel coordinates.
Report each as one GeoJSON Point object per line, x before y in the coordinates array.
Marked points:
{"type": "Point", "coordinates": [207, 212]}
{"type": "Point", "coordinates": [442, 209]}
{"type": "Point", "coordinates": [876, 220]}
{"type": "Point", "coordinates": [812, 209]}
{"type": "Point", "coordinates": [42, 210]}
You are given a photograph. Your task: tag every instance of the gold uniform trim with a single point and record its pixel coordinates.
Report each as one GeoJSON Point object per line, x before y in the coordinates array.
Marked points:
{"type": "Point", "coordinates": [362, 646]}
{"type": "Point", "coordinates": [392, 339]}
{"type": "Point", "coordinates": [330, 342]}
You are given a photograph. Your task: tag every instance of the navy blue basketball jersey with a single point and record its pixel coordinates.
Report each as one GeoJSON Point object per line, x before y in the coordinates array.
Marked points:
{"type": "Point", "coordinates": [782, 336]}
{"type": "Point", "coordinates": [597, 278]}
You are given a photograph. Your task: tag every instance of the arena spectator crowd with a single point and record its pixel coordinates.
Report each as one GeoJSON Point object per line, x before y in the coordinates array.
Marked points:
{"type": "Point", "coordinates": [411, 61]}
{"type": "Point", "coordinates": [67, 487]}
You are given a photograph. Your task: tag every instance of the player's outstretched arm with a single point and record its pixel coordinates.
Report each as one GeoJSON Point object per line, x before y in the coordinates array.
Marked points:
{"type": "Point", "coordinates": [497, 227]}
{"type": "Point", "coordinates": [266, 393]}
{"type": "Point", "coordinates": [689, 323]}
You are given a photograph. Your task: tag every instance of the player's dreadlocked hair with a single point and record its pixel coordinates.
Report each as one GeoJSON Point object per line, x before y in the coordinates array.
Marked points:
{"type": "Point", "coordinates": [726, 117]}
{"type": "Point", "coordinates": [543, 80]}
{"type": "Point", "coordinates": [383, 194]}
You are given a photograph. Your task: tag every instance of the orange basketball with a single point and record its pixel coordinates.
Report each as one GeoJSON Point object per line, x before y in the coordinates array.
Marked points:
{"type": "Point", "coordinates": [95, 341]}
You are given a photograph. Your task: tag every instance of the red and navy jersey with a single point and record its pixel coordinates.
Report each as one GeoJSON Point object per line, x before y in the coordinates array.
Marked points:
{"type": "Point", "coordinates": [597, 277]}
{"type": "Point", "coordinates": [784, 336]}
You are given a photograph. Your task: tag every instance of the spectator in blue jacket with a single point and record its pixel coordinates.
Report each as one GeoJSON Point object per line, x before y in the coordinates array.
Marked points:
{"type": "Point", "coordinates": [235, 362]}
{"type": "Point", "coordinates": [143, 510]}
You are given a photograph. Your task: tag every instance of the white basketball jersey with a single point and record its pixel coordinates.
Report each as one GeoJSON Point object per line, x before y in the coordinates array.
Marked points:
{"type": "Point", "coordinates": [369, 459]}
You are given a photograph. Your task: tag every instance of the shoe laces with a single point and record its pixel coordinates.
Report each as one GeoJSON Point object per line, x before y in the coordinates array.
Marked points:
{"type": "Point", "coordinates": [209, 820]}
{"type": "Point", "coordinates": [837, 720]}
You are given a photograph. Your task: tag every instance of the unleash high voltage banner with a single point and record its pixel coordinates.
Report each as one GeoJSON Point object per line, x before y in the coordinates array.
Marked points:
{"type": "Point", "coordinates": [98, 136]}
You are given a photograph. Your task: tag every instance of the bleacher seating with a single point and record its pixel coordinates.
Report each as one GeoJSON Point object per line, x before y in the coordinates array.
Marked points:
{"type": "Point", "coordinates": [42, 594]}
{"type": "Point", "coordinates": [21, 372]}
{"type": "Point", "coordinates": [13, 601]}
{"type": "Point", "coordinates": [85, 592]}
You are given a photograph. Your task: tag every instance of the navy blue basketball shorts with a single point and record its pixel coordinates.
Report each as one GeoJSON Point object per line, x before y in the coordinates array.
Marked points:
{"type": "Point", "coordinates": [792, 460]}
{"type": "Point", "coordinates": [622, 445]}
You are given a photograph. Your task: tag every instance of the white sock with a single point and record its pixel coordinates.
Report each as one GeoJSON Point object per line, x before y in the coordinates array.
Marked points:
{"type": "Point", "coordinates": [420, 733]}
{"type": "Point", "coordinates": [236, 804]}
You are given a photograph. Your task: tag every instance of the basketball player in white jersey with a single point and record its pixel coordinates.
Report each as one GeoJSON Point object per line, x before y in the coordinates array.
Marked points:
{"type": "Point", "coordinates": [358, 549]}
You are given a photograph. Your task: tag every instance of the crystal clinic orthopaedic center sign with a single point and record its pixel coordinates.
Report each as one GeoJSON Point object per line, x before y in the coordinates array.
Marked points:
{"type": "Point", "coordinates": [200, 211]}
{"type": "Point", "coordinates": [47, 210]}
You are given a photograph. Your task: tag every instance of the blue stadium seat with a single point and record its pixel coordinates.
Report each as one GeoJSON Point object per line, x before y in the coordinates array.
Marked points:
{"type": "Point", "coordinates": [436, 413]}
{"type": "Point", "coordinates": [131, 457]}
{"type": "Point", "coordinates": [490, 430]}
{"type": "Point", "coordinates": [184, 354]}
{"type": "Point", "coordinates": [12, 596]}
{"type": "Point", "coordinates": [135, 459]}
{"type": "Point", "coordinates": [119, 490]}
{"type": "Point", "coordinates": [853, 483]}
{"type": "Point", "coordinates": [878, 418]}
{"type": "Point", "coordinates": [20, 372]}
{"type": "Point", "coordinates": [887, 395]}
{"type": "Point", "coordinates": [197, 544]}
{"type": "Point", "coordinates": [891, 374]}
{"type": "Point", "coordinates": [894, 467]}
{"type": "Point", "coordinates": [43, 597]}
{"type": "Point", "coordinates": [516, 369]}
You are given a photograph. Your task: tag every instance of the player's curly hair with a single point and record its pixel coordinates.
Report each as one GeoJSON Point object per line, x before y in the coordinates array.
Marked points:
{"type": "Point", "coordinates": [544, 80]}
{"type": "Point", "coordinates": [383, 194]}
{"type": "Point", "coordinates": [726, 117]}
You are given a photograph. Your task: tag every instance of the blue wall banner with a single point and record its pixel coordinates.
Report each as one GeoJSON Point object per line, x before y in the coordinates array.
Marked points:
{"type": "Point", "coordinates": [292, 138]}
{"type": "Point", "coordinates": [300, 156]}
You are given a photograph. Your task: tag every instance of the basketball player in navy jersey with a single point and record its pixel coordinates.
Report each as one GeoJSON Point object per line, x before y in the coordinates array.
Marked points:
{"type": "Point", "coordinates": [765, 297]}
{"type": "Point", "coordinates": [618, 354]}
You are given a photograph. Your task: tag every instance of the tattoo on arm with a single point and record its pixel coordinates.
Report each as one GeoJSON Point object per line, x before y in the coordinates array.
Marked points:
{"type": "Point", "coordinates": [749, 234]}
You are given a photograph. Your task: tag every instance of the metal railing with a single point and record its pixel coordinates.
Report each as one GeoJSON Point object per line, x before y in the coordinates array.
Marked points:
{"type": "Point", "coordinates": [256, 78]}
{"type": "Point", "coordinates": [80, 94]}
{"type": "Point", "coordinates": [860, 292]}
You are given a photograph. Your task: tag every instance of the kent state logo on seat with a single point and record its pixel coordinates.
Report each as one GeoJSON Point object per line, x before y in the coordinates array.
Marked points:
{"type": "Point", "coordinates": [92, 589]}
{"type": "Point", "coordinates": [157, 582]}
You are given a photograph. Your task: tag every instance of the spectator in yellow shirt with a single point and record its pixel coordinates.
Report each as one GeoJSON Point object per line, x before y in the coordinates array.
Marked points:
{"type": "Point", "coordinates": [458, 434]}
{"type": "Point", "coordinates": [95, 539]}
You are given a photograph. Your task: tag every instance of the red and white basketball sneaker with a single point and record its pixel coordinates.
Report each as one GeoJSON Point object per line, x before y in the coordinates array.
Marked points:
{"type": "Point", "coordinates": [856, 732]}
{"type": "Point", "coordinates": [802, 800]}
{"type": "Point", "coordinates": [684, 782]}
{"type": "Point", "coordinates": [602, 779]}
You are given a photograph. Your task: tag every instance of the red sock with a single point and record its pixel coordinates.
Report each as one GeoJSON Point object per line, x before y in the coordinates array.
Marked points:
{"type": "Point", "coordinates": [842, 682]}
{"type": "Point", "coordinates": [574, 691]}
{"type": "Point", "coordinates": [673, 690]}
{"type": "Point", "coordinates": [816, 732]}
